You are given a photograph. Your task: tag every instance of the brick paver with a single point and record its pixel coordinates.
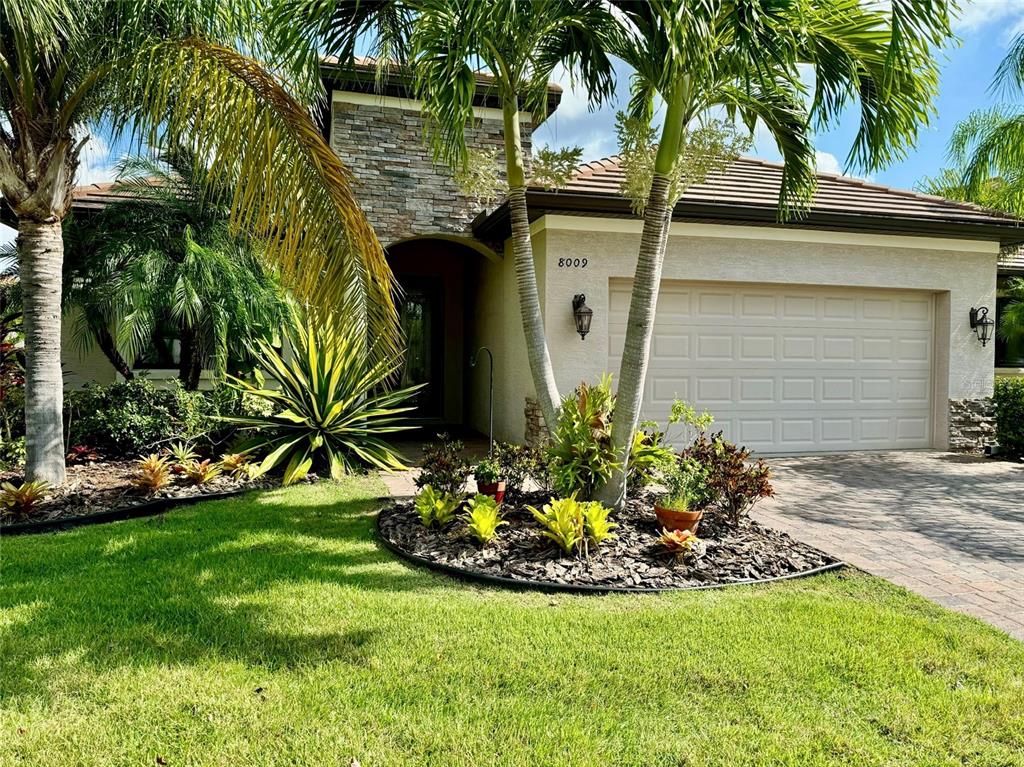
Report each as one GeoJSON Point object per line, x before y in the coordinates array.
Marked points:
{"type": "Point", "coordinates": [948, 526]}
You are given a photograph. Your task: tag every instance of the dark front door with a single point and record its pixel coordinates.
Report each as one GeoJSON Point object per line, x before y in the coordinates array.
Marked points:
{"type": "Point", "coordinates": [422, 317]}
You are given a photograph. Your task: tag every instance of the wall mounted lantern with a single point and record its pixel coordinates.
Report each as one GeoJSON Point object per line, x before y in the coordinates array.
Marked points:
{"type": "Point", "coordinates": [982, 324]}
{"type": "Point", "coordinates": [582, 313]}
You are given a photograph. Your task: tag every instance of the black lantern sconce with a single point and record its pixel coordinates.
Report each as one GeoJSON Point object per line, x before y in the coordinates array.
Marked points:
{"type": "Point", "coordinates": [982, 324]}
{"type": "Point", "coordinates": [582, 313]}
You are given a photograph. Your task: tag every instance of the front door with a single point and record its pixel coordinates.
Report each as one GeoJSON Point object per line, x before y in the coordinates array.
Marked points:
{"type": "Point", "coordinates": [422, 318]}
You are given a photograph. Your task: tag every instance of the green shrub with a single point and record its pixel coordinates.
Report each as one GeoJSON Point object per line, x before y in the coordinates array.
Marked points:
{"type": "Point", "coordinates": [518, 464]}
{"type": "Point", "coordinates": [436, 508]}
{"type": "Point", "coordinates": [127, 418]}
{"type": "Point", "coordinates": [12, 454]}
{"type": "Point", "coordinates": [333, 406]}
{"type": "Point", "coordinates": [580, 457]}
{"type": "Point", "coordinates": [445, 467]}
{"type": "Point", "coordinates": [1009, 412]}
{"type": "Point", "coordinates": [688, 485]}
{"type": "Point", "coordinates": [487, 472]}
{"type": "Point", "coordinates": [483, 518]}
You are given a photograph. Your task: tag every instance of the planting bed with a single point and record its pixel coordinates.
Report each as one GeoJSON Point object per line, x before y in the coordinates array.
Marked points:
{"type": "Point", "coordinates": [633, 560]}
{"type": "Point", "coordinates": [95, 487]}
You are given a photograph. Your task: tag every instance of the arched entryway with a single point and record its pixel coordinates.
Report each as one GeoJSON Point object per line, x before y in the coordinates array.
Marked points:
{"type": "Point", "coordinates": [438, 277]}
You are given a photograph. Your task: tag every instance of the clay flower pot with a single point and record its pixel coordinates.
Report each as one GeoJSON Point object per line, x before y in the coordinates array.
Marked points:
{"type": "Point", "coordinates": [494, 489]}
{"type": "Point", "coordinates": [672, 519]}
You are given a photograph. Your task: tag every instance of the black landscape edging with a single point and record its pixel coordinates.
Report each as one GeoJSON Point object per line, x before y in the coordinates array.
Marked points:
{"type": "Point", "coordinates": [581, 588]}
{"type": "Point", "coordinates": [145, 509]}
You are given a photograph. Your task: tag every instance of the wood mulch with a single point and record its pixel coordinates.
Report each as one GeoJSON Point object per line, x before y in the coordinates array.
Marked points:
{"type": "Point", "coordinates": [633, 559]}
{"type": "Point", "coordinates": [97, 486]}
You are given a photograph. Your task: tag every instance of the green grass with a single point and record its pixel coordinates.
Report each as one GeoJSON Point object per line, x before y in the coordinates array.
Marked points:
{"type": "Point", "coordinates": [271, 629]}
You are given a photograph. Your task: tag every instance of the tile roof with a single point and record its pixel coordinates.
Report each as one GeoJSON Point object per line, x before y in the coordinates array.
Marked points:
{"type": "Point", "coordinates": [754, 183]}
{"type": "Point", "coordinates": [98, 196]}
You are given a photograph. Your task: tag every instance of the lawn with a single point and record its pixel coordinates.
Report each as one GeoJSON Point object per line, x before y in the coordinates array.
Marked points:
{"type": "Point", "coordinates": [271, 629]}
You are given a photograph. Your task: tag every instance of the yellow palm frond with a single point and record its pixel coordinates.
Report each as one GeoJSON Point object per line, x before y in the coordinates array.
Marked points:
{"type": "Point", "coordinates": [290, 187]}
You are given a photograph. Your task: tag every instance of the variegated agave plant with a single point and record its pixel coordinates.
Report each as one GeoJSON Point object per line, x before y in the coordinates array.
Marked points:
{"type": "Point", "coordinates": [332, 402]}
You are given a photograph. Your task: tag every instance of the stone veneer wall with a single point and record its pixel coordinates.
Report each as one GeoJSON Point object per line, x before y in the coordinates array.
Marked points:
{"type": "Point", "coordinates": [536, 428]}
{"type": "Point", "coordinates": [971, 425]}
{"type": "Point", "coordinates": [402, 190]}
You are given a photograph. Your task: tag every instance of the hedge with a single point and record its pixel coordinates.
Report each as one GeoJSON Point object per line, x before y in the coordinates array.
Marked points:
{"type": "Point", "coordinates": [1009, 411]}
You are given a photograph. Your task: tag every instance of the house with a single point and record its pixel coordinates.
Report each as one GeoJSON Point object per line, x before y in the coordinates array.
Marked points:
{"type": "Point", "coordinates": [846, 330]}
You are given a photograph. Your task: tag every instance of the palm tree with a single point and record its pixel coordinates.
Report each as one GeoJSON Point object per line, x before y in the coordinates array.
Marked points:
{"type": "Point", "coordinates": [743, 56]}
{"type": "Point", "coordinates": [447, 43]}
{"type": "Point", "coordinates": [165, 257]}
{"type": "Point", "coordinates": [169, 72]}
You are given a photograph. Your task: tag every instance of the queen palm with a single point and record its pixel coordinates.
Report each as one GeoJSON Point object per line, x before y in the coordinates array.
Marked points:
{"type": "Point", "coordinates": [168, 72]}
{"type": "Point", "coordinates": [743, 56]}
{"type": "Point", "coordinates": [162, 265]}
{"type": "Point", "coordinates": [447, 43]}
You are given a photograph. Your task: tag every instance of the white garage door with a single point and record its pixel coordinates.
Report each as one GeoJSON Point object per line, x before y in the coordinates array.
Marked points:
{"type": "Point", "coordinates": [791, 369]}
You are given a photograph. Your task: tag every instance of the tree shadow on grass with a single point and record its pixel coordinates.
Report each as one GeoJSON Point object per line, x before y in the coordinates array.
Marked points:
{"type": "Point", "coordinates": [189, 586]}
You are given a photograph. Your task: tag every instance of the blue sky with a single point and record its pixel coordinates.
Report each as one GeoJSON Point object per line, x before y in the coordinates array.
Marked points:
{"type": "Point", "coordinates": [985, 29]}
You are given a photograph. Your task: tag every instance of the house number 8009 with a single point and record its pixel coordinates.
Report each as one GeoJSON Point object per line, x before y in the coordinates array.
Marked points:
{"type": "Point", "coordinates": [572, 263]}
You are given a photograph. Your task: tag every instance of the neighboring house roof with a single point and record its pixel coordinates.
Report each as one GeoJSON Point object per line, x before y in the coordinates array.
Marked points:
{"type": "Point", "coordinates": [747, 192]}
{"type": "Point", "coordinates": [95, 197]}
{"type": "Point", "coordinates": [361, 77]}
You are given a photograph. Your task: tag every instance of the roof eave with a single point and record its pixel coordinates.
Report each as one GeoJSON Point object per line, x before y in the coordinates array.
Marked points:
{"type": "Point", "coordinates": [496, 226]}
{"type": "Point", "coordinates": [359, 79]}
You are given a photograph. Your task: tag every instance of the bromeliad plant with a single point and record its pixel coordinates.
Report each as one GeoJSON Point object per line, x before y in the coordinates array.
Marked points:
{"type": "Point", "coordinates": [436, 508]}
{"type": "Point", "coordinates": [573, 524]}
{"type": "Point", "coordinates": [483, 518]}
{"type": "Point", "coordinates": [20, 501]}
{"type": "Point", "coordinates": [333, 404]}
{"type": "Point", "coordinates": [201, 473]}
{"type": "Point", "coordinates": [152, 474]}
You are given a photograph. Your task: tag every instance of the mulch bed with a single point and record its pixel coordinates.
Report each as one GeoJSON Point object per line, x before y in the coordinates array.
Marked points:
{"type": "Point", "coordinates": [98, 486]}
{"type": "Point", "coordinates": [632, 560]}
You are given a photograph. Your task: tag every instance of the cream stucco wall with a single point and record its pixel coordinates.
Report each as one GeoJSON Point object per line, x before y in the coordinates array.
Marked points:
{"type": "Point", "coordinates": [959, 273]}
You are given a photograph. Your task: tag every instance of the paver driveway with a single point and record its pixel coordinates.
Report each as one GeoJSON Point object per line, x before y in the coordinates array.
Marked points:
{"type": "Point", "coordinates": [948, 526]}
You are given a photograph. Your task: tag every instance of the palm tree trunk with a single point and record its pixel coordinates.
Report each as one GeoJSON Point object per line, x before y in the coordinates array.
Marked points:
{"type": "Point", "coordinates": [639, 329]}
{"type": "Point", "coordinates": [106, 343]}
{"type": "Point", "coordinates": [526, 274]}
{"type": "Point", "coordinates": [189, 366]}
{"type": "Point", "coordinates": [41, 256]}
{"type": "Point", "coordinates": [636, 350]}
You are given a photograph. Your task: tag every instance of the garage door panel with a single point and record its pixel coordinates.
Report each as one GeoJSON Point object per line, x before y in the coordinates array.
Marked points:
{"type": "Point", "coordinates": [792, 369]}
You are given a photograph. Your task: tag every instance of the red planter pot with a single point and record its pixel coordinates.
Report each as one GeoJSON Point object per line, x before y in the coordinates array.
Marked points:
{"type": "Point", "coordinates": [494, 489]}
{"type": "Point", "coordinates": [671, 519]}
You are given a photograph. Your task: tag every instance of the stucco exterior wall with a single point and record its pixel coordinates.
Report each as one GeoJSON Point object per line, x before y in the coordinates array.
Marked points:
{"type": "Point", "coordinates": [960, 274]}
{"type": "Point", "coordinates": [497, 324]}
{"type": "Point", "coordinates": [82, 367]}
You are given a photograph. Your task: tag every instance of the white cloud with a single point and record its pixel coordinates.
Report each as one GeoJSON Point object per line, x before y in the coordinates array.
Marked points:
{"type": "Point", "coordinates": [827, 162]}
{"type": "Point", "coordinates": [97, 165]}
{"type": "Point", "coordinates": [982, 13]}
{"type": "Point", "coordinates": [574, 101]}
{"type": "Point", "coordinates": [7, 235]}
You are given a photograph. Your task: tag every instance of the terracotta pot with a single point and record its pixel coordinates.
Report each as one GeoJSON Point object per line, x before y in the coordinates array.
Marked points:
{"type": "Point", "coordinates": [494, 489]}
{"type": "Point", "coordinates": [672, 519]}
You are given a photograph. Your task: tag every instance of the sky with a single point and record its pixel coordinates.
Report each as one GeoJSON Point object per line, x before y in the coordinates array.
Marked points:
{"type": "Point", "coordinates": [985, 29]}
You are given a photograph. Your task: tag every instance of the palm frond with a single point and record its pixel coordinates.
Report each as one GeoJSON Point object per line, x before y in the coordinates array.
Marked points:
{"type": "Point", "coordinates": [289, 186]}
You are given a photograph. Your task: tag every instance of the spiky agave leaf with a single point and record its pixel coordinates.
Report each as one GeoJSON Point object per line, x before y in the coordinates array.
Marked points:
{"type": "Point", "coordinates": [332, 401]}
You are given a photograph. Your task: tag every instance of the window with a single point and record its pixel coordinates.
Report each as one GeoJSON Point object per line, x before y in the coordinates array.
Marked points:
{"type": "Point", "coordinates": [1009, 353]}
{"type": "Point", "coordinates": [163, 352]}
